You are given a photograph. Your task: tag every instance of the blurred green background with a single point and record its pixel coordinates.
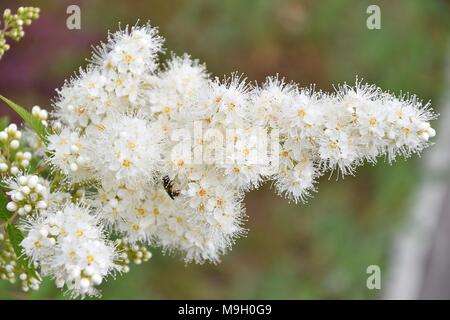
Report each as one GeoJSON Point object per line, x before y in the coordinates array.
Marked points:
{"type": "Point", "coordinates": [318, 250]}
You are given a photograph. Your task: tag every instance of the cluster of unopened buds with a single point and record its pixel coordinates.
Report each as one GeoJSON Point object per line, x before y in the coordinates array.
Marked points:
{"type": "Point", "coordinates": [28, 194]}
{"type": "Point", "coordinates": [130, 252]}
{"type": "Point", "coordinates": [13, 24]}
{"type": "Point", "coordinates": [10, 159]}
{"type": "Point", "coordinates": [11, 271]}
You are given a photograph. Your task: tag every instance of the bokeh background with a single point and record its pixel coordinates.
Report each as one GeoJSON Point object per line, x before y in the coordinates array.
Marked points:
{"type": "Point", "coordinates": [317, 250]}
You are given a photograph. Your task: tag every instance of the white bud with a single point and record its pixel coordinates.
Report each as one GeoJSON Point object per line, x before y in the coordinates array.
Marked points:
{"type": "Point", "coordinates": [25, 189]}
{"type": "Point", "coordinates": [431, 132]}
{"type": "Point", "coordinates": [17, 196]}
{"type": "Point", "coordinates": [32, 181]}
{"type": "Point", "coordinates": [12, 128]}
{"type": "Point", "coordinates": [3, 136]}
{"type": "Point", "coordinates": [11, 206]}
{"type": "Point", "coordinates": [73, 167]}
{"type": "Point", "coordinates": [85, 283]}
{"type": "Point", "coordinates": [23, 180]}
{"type": "Point", "coordinates": [18, 134]}
{"type": "Point", "coordinates": [41, 204]}
{"type": "Point", "coordinates": [21, 212]}
{"type": "Point", "coordinates": [27, 208]}
{"type": "Point", "coordinates": [35, 111]}
{"type": "Point", "coordinates": [23, 277]}
{"type": "Point", "coordinates": [3, 167]}
{"type": "Point", "coordinates": [14, 144]}
{"type": "Point", "coordinates": [25, 163]}
{"type": "Point", "coordinates": [424, 136]}
{"type": "Point", "coordinates": [97, 279]}
{"type": "Point", "coordinates": [39, 188]}
{"type": "Point", "coordinates": [43, 114]}
{"type": "Point", "coordinates": [27, 155]}
{"type": "Point", "coordinates": [14, 170]}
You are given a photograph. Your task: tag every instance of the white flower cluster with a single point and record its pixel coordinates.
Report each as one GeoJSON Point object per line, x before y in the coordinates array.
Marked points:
{"type": "Point", "coordinates": [69, 244]}
{"type": "Point", "coordinates": [321, 132]}
{"type": "Point", "coordinates": [121, 120]}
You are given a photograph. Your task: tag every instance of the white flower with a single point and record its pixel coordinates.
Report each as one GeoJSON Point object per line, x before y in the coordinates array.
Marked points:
{"type": "Point", "coordinates": [70, 153]}
{"type": "Point", "coordinates": [125, 149]}
{"type": "Point", "coordinates": [69, 244]}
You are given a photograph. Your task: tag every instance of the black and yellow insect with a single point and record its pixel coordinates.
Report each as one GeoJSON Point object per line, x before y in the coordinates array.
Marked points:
{"type": "Point", "coordinates": [168, 186]}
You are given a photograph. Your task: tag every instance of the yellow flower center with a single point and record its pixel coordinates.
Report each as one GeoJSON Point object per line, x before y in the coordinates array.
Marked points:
{"type": "Point", "coordinates": [140, 212]}
{"type": "Point", "coordinates": [129, 58]}
{"type": "Point", "coordinates": [131, 145]}
{"type": "Point", "coordinates": [126, 163]}
{"type": "Point", "coordinates": [333, 145]}
{"type": "Point", "coordinates": [406, 131]}
{"type": "Point", "coordinates": [79, 233]}
{"type": "Point", "coordinates": [202, 192]}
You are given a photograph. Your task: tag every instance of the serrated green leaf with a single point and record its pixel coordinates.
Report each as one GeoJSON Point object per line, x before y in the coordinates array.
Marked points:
{"type": "Point", "coordinates": [4, 121]}
{"type": "Point", "coordinates": [4, 214]}
{"type": "Point", "coordinates": [34, 123]}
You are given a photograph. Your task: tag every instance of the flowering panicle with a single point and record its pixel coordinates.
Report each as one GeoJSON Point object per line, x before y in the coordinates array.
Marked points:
{"type": "Point", "coordinates": [125, 118]}
{"type": "Point", "coordinates": [163, 155]}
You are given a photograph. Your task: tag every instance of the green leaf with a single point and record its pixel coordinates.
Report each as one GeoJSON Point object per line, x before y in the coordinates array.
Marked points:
{"type": "Point", "coordinates": [4, 121]}
{"type": "Point", "coordinates": [34, 123]}
{"type": "Point", "coordinates": [4, 214]}
{"type": "Point", "coordinates": [16, 237]}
